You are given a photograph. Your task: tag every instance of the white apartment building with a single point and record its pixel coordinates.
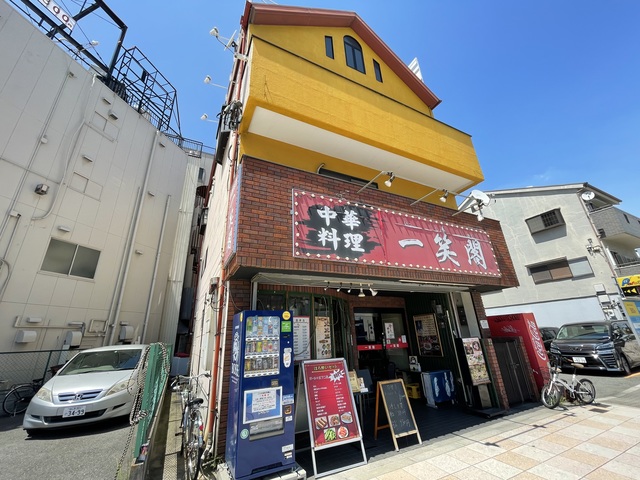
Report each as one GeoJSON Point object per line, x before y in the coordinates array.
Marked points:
{"type": "Point", "coordinates": [569, 243]}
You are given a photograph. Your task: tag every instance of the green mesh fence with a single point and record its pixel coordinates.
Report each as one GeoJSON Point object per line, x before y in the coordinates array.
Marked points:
{"type": "Point", "coordinates": [157, 367]}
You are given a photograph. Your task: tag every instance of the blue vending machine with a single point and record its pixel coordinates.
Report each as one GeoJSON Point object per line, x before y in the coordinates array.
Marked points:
{"type": "Point", "coordinates": [260, 426]}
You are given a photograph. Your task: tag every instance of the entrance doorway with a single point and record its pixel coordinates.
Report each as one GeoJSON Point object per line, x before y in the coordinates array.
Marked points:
{"type": "Point", "coordinates": [382, 343]}
{"type": "Point", "coordinates": [510, 359]}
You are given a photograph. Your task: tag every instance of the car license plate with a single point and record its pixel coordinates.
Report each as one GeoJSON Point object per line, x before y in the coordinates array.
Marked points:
{"type": "Point", "coordinates": [73, 412]}
{"type": "Point", "coordinates": [579, 360]}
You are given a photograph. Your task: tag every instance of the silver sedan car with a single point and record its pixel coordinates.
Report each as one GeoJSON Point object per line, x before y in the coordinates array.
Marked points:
{"type": "Point", "coordinates": [96, 384]}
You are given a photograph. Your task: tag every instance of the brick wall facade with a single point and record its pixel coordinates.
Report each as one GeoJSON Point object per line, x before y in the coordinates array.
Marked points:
{"type": "Point", "coordinates": [265, 243]}
{"type": "Point", "coordinates": [265, 239]}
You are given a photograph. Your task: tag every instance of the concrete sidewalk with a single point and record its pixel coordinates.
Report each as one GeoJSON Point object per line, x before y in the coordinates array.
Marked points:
{"type": "Point", "coordinates": [599, 441]}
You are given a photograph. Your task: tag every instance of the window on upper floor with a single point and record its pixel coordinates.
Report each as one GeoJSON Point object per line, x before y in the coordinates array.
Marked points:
{"type": "Point", "coordinates": [70, 259]}
{"type": "Point", "coordinates": [545, 221]}
{"type": "Point", "coordinates": [353, 54]}
{"type": "Point", "coordinates": [560, 269]}
{"type": "Point", "coordinates": [345, 177]}
{"type": "Point", "coordinates": [328, 46]}
{"type": "Point", "coordinates": [377, 70]}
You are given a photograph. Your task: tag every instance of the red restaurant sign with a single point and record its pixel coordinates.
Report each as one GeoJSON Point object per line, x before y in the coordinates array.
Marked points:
{"type": "Point", "coordinates": [337, 229]}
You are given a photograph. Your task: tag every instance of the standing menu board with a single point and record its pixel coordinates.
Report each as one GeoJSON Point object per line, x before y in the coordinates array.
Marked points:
{"type": "Point", "coordinates": [475, 360]}
{"type": "Point", "coordinates": [398, 409]}
{"type": "Point", "coordinates": [333, 418]}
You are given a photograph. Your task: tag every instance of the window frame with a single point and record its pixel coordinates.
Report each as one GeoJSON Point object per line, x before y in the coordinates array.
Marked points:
{"type": "Point", "coordinates": [354, 56]}
{"type": "Point", "coordinates": [540, 223]}
{"type": "Point", "coordinates": [70, 263]}
{"type": "Point", "coordinates": [378, 70]}
{"type": "Point", "coordinates": [328, 46]}
{"type": "Point", "coordinates": [558, 269]}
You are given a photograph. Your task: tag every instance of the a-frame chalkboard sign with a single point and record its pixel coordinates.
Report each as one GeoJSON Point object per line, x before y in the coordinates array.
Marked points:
{"type": "Point", "coordinates": [399, 413]}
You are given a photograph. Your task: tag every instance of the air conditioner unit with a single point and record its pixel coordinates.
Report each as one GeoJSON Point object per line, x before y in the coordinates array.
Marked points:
{"type": "Point", "coordinates": [126, 333]}
{"type": "Point", "coordinates": [73, 338]}
{"type": "Point", "coordinates": [26, 336]}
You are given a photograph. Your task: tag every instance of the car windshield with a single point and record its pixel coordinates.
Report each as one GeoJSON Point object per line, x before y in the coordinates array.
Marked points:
{"type": "Point", "coordinates": [102, 361]}
{"type": "Point", "coordinates": [583, 331]}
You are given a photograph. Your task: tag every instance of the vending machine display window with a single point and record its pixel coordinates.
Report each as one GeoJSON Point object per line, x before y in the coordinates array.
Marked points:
{"type": "Point", "coordinates": [262, 346]}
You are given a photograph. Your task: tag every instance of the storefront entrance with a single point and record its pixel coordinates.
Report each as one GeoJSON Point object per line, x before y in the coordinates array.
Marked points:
{"type": "Point", "coordinates": [382, 343]}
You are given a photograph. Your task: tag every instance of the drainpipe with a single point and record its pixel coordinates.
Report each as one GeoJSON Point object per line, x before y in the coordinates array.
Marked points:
{"type": "Point", "coordinates": [147, 313]}
{"type": "Point", "coordinates": [213, 398]}
{"type": "Point", "coordinates": [136, 221]}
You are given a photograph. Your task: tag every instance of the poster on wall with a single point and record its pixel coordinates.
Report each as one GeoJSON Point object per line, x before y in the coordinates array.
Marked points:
{"type": "Point", "coordinates": [427, 334]}
{"type": "Point", "coordinates": [323, 337]}
{"type": "Point", "coordinates": [633, 311]}
{"type": "Point", "coordinates": [475, 360]}
{"type": "Point", "coordinates": [301, 339]}
{"type": "Point", "coordinates": [231, 233]}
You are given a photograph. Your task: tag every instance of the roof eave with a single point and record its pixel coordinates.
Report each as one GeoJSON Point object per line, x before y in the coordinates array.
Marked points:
{"type": "Point", "coordinates": [271, 14]}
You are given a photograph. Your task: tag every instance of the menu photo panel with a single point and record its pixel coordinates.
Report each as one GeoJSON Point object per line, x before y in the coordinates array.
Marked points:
{"type": "Point", "coordinates": [427, 335]}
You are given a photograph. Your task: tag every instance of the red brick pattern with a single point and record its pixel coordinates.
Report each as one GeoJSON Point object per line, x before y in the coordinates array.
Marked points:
{"type": "Point", "coordinates": [265, 238]}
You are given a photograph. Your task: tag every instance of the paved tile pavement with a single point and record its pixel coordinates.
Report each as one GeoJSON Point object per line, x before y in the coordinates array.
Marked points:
{"type": "Point", "coordinates": [599, 441]}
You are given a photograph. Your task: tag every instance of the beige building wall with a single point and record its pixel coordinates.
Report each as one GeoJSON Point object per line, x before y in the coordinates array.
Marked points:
{"type": "Point", "coordinates": [114, 184]}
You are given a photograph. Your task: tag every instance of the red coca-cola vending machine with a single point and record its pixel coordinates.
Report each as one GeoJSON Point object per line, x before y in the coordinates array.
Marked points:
{"type": "Point", "coordinates": [523, 325]}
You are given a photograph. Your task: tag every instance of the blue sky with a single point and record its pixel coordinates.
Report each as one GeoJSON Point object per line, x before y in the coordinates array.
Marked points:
{"type": "Point", "coordinates": [549, 90]}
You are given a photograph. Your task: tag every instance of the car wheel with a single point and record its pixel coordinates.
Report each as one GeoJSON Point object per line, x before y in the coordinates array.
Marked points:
{"type": "Point", "coordinates": [624, 363]}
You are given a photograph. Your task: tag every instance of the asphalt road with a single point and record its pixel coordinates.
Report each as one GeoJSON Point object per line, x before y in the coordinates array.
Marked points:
{"type": "Point", "coordinates": [88, 452]}
{"type": "Point", "coordinates": [615, 389]}
{"type": "Point", "coordinates": [94, 452]}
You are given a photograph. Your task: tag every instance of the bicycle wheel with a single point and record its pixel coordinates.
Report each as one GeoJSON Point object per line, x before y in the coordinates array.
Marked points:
{"type": "Point", "coordinates": [550, 395]}
{"type": "Point", "coordinates": [194, 447]}
{"type": "Point", "coordinates": [186, 427]}
{"type": "Point", "coordinates": [585, 391]}
{"type": "Point", "coordinates": [17, 400]}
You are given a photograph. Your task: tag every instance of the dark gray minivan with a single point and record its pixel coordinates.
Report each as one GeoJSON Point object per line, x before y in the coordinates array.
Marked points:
{"type": "Point", "coordinates": [608, 345]}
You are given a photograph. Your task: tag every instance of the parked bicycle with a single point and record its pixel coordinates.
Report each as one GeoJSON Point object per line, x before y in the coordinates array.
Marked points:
{"type": "Point", "coordinates": [19, 396]}
{"type": "Point", "coordinates": [192, 425]}
{"type": "Point", "coordinates": [583, 390]}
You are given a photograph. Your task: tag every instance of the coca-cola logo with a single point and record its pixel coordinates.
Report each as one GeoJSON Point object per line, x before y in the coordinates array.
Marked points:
{"type": "Point", "coordinates": [536, 339]}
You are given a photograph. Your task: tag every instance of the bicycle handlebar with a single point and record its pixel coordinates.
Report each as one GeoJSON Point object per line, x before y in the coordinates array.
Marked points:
{"type": "Point", "coordinates": [185, 379]}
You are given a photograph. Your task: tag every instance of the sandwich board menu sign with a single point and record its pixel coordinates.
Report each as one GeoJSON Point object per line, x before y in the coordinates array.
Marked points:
{"type": "Point", "coordinates": [396, 405]}
{"type": "Point", "coordinates": [333, 418]}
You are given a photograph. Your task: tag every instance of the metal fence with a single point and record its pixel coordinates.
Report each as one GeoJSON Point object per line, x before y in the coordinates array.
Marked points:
{"type": "Point", "coordinates": [23, 367]}
{"type": "Point", "coordinates": [155, 366]}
